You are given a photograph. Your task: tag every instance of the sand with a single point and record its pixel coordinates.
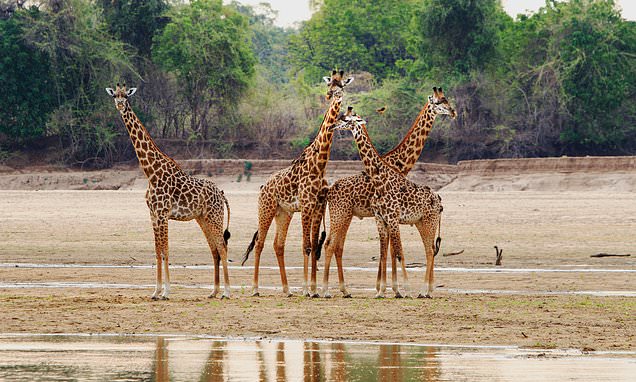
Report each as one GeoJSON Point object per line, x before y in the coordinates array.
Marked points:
{"type": "Point", "coordinates": [538, 231]}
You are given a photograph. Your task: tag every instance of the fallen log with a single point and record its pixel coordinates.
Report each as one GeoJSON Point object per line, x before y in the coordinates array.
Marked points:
{"type": "Point", "coordinates": [453, 253]}
{"type": "Point", "coordinates": [609, 255]}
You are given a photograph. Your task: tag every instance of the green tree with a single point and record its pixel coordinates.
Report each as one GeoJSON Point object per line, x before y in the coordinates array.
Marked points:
{"type": "Point", "coordinates": [355, 35]}
{"type": "Point", "coordinates": [598, 52]}
{"type": "Point", "coordinates": [270, 43]}
{"type": "Point", "coordinates": [206, 45]}
{"type": "Point", "coordinates": [572, 75]}
{"type": "Point", "coordinates": [458, 34]}
{"type": "Point", "coordinates": [25, 75]}
{"type": "Point", "coordinates": [83, 58]}
{"type": "Point", "coordinates": [135, 22]}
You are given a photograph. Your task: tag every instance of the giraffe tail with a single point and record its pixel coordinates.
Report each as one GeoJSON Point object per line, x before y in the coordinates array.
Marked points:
{"type": "Point", "coordinates": [323, 235]}
{"type": "Point", "coordinates": [438, 241]}
{"type": "Point", "coordinates": [226, 233]}
{"type": "Point", "coordinates": [249, 248]}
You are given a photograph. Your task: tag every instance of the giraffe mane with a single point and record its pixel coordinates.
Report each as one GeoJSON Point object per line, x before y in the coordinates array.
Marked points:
{"type": "Point", "coordinates": [410, 132]}
{"type": "Point", "coordinates": [151, 139]}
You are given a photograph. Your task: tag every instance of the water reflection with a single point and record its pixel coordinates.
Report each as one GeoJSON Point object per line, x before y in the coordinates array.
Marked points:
{"type": "Point", "coordinates": [134, 358]}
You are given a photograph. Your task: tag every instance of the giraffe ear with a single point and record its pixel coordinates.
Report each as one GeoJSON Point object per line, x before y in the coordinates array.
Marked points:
{"type": "Point", "coordinates": [348, 81]}
{"type": "Point", "coordinates": [327, 79]}
{"type": "Point", "coordinates": [131, 91]}
{"type": "Point", "coordinates": [430, 99]}
{"type": "Point", "coordinates": [110, 92]}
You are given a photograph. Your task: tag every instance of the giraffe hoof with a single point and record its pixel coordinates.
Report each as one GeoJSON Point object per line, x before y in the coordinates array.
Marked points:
{"type": "Point", "coordinates": [290, 294]}
{"type": "Point", "coordinates": [347, 295]}
{"type": "Point", "coordinates": [424, 296]}
{"type": "Point", "coordinates": [398, 295]}
{"type": "Point", "coordinates": [154, 298]}
{"type": "Point", "coordinates": [327, 295]}
{"type": "Point", "coordinates": [164, 298]}
{"type": "Point", "coordinates": [314, 295]}
{"type": "Point", "coordinates": [256, 294]}
{"type": "Point", "coordinates": [379, 296]}
{"type": "Point", "coordinates": [224, 297]}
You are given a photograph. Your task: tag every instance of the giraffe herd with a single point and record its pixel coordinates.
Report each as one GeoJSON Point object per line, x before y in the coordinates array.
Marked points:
{"type": "Point", "coordinates": [381, 191]}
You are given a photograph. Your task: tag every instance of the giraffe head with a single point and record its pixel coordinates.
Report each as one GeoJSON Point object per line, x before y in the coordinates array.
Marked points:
{"type": "Point", "coordinates": [439, 104]}
{"type": "Point", "coordinates": [350, 121]}
{"type": "Point", "coordinates": [120, 94]}
{"type": "Point", "coordinates": [335, 84]}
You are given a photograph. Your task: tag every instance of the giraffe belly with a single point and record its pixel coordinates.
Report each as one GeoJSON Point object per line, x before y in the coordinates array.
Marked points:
{"type": "Point", "coordinates": [290, 205]}
{"type": "Point", "coordinates": [409, 218]}
{"type": "Point", "coordinates": [182, 214]}
{"type": "Point", "coordinates": [362, 212]}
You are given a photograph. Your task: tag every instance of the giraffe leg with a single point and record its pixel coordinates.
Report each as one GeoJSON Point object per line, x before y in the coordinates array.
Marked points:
{"type": "Point", "coordinates": [397, 252]}
{"type": "Point", "coordinates": [319, 214]}
{"type": "Point", "coordinates": [216, 257]}
{"type": "Point", "coordinates": [308, 253]}
{"type": "Point", "coordinates": [325, 278]}
{"type": "Point", "coordinates": [166, 279]}
{"type": "Point", "coordinates": [383, 258]}
{"type": "Point", "coordinates": [160, 228]}
{"type": "Point", "coordinates": [427, 230]}
{"type": "Point", "coordinates": [340, 214]}
{"type": "Point", "coordinates": [283, 219]}
{"type": "Point", "coordinates": [222, 254]}
{"type": "Point", "coordinates": [207, 226]}
{"type": "Point", "coordinates": [380, 283]}
{"type": "Point", "coordinates": [266, 212]}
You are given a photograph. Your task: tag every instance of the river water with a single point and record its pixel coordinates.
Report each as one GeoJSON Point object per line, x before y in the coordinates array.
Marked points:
{"type": "Point", "coordinates": [189, 358]}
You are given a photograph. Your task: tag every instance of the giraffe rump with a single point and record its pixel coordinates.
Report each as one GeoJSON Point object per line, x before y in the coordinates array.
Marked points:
{"type": "Point", "coordinates": [249, 248]}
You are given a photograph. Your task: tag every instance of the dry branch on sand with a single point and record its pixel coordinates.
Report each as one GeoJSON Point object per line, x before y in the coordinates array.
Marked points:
{"type": "Point", "coordinates": [609, 255]}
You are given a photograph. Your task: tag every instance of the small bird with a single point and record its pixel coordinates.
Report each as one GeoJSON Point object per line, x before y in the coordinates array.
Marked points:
{"type": "Point", "coordinates": [381, 110]}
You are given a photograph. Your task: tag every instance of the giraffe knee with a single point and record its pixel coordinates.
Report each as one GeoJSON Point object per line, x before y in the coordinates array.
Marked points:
{"type": "Point", "coordinates": [278, 248]}
{"type": "Point", "coordinates": [338, 253]}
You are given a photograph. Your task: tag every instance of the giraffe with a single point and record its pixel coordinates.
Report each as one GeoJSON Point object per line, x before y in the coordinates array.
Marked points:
{"type": "Point", "coordinates": [351, 196]}
{"type": "Point", "coordinates": [301, 187]}
{"type": "Point", "coordinates": [174, 195]}
{"type": "Point", "coordinates": [397, 200]}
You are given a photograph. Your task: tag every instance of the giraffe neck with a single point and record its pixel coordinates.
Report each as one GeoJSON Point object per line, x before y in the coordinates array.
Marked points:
{"type": "Point", "coordinates": [370, 157]}
{"type": "Point", "coordinates": [148, 153]}
{"type": "Point", "coordinates": [320, 148]}
{"type": "Point", "coordinates": [404, 155]}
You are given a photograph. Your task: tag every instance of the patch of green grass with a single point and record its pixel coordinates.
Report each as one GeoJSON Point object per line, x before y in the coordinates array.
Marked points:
{"type": "Point", "coordinates": [543, 345]}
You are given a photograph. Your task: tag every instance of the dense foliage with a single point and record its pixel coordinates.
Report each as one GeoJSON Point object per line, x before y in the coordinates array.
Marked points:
{"type": "Point", "coordinates": [356, 35]}
{"type": "Point", "coordinates": [224, 79]}
{"type": "Point", "coordinates": [28, 93]}
{"type": "Point", "coordinates": [206, 46]}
